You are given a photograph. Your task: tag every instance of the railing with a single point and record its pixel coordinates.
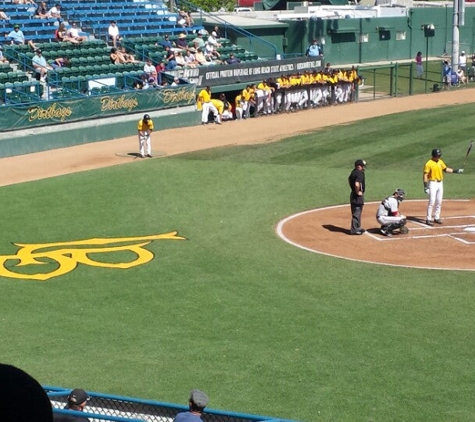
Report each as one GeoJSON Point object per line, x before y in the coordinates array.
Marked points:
{"type": "Point", "coordinates": [253, 40]}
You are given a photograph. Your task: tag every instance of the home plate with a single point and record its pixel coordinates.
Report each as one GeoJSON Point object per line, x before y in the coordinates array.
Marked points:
{"type": "Point", "coordinates": [469, 229]}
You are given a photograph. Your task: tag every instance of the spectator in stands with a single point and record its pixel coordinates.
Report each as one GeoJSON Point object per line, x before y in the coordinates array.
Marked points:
{"type": "Point", "coordinates": [170, 58]}
{"type": "Point", "coordinates": [176, 81]}
{"type": "Point", "coordinates": [4, 16]}
{"type": "Point", "coordinates": [17, 37]}
{"type": "Point", "coordinates": [190, 59]}
{"type": "Point", "coordinates": [181, 42]}
{"type": "Point", "coordinates": [165, 42]}
{"type": "Point", "coordinates": [73, 33]}
{"type": "Point", "coordinates": [61, 62]}
{"type": "Point", "coordinates": [127, 58]}
{"type": "Point", "coordinates": [40, 65]}
{"type": "Point", "coordinates": [77, 401]}
{"type": "Point", "coordinates": [211, 53]}
{"type": "Point", "coordinates": [313, 50]}
{"type": "Point", "coordinates": [22, 398]}
{"type": "Point", "coordinates": [41, 11]}
{"type": "Point", "coordinates": [184, 19]}
{"type": "Point", "coordinates": [61, 34]}
{"type": "Point", "coordinates": [55, 11]}
{"type": "Point", "coordinates": [3, 59]}
{"type": "Point", "coordinates": [213, 39]}
{"type": "Point", "coordinates": [24, 2]}
{"type": "Point", "coordinates": [114, 56]}
{"type": "Point", "coordinates": [197, 403]}
{"type": "Point", "coordinates": [233, 59]}
{"type": "Point", "coordinates": [180, 60]}
{"type": "Point", "coordinates": [201, 58]}
{"type": "Point", "coordinates": [199, 42]}
{"type": "Point", "coordinates": [114, 34]}
{"type": "Point", "coordinates": [150, 73]}
{"type": "Point", "coordinates": [217, 33]}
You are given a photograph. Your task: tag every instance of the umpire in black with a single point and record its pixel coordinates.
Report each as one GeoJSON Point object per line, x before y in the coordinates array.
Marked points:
{"type": "Point", "coordinates": [356, 180]}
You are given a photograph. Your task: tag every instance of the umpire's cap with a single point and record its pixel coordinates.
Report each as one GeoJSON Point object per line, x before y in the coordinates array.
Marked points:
{"type": "Point", "coordinates": [360, 162]}
{"type": "Point", "coordinates": [436, 152]}
{"type": "Point", "coordinates": [146, 117]}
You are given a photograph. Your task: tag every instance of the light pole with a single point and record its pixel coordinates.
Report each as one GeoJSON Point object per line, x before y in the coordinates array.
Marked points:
{"type": "Point", "coordinates": [429, 31]}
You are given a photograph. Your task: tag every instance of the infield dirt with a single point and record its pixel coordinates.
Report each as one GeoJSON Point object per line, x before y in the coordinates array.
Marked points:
{"type": "Point", "coordinates": [252, 131]}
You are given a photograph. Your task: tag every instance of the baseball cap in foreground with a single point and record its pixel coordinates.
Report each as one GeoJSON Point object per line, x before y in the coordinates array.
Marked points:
{"type": "Point", "coordinates": [360, 162]}
{"type": "Point", "coordinates": [78, 396]}
{"type": "Point", "coordinates": [199, 398]}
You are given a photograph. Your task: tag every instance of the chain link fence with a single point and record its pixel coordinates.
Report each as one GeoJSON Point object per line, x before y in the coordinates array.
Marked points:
{"type": "Point", "coordinates": [400, 79]}
{"type": "Point", "coordinates": [101, 407]}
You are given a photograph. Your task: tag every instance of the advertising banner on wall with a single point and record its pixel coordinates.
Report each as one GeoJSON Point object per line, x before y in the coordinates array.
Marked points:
{"type": "Point", "coordinates": [251, 71]}
{"type": "Point", "coordinates": [93, 107]}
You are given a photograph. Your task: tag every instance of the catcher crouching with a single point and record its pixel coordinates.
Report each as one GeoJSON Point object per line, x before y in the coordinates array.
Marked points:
{"type": "Point", "coordinates": [388, 214]}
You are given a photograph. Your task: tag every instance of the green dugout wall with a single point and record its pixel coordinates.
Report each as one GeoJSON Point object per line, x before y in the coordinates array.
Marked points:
{"type": "Point", "coordinates": [380, 39]}
{"type": "Point", "coordinates": [56, 124]}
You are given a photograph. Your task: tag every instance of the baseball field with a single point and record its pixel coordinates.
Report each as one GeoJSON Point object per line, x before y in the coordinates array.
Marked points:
{"type": "Point", "coordinates": [153, 277]}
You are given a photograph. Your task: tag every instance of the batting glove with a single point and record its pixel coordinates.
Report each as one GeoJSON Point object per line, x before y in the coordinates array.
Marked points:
{"type": "Point", "coordinates": [458, 171]}
{"type": "Point", "coordinates": [426, 190]}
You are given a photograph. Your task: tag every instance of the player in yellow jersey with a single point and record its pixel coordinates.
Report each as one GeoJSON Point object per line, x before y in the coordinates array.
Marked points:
{"type": "Point", "coordinates": [204, 103]}
{"type": "Point", "coordinates": [145, 128]}
{"type": "Point", "coordinates": [433, 176]}
{"type": "Point", "coordinates": [238, 106]}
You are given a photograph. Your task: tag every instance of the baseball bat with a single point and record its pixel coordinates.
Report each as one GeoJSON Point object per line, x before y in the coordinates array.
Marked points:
{"type": "Point", "coordinates": [468, 152]}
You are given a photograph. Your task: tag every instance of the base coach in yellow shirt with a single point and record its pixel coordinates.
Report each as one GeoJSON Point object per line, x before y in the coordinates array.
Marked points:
{"type": "Point", "coordinates": [433, 178]}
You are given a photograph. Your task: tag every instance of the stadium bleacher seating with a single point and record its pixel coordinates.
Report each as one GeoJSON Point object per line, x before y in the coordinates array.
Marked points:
{"type": "Point", "coordinates": [142, 25]}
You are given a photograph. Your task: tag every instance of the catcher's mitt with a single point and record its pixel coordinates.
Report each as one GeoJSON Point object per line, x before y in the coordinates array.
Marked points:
{"type": "Point", "coordinates": [404, 230]}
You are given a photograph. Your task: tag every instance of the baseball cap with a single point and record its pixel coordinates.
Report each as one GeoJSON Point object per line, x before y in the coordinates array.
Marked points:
{"type": "Point", "coordinates": [360, 162]}
{"type": "Point", "coordinates": [38, 50]}
{"type": "Point", "coordinates": [181, 36]}
{"type": "Point", "coordinates": [146, 117]}
{"type": "Point", "coordinates": [463, 52]}
{"type": "Point", "coordinates": [78, 396]}
{"type": "Point", "coordinates": [199, 398]}
{"type": "Point", "coordinates": [16, 26]}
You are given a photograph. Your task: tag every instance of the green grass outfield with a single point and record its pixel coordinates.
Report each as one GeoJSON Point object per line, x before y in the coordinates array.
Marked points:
{"type": "Point", "coordinates": [261, 326]}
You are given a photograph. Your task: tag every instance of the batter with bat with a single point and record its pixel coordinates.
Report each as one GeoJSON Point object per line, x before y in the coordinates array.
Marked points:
{"type": "Point", "coordinates": [433, 176]}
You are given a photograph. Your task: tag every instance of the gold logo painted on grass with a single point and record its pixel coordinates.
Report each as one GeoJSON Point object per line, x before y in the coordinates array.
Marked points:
{"type": "Point", "coordinates": [67, 255]}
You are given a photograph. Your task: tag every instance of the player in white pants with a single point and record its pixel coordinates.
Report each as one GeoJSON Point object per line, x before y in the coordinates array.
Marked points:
{"type": "Point", "coordinates": [433, 177]}
{"type": "Point", "coordinates": [388, 214]}
{"type": "Point", "coordinates": [145, 128]}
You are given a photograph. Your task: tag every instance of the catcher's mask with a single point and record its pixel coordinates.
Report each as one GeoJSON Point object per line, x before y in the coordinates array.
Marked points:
{"type": "Point", "coordinates": [400, 194]}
